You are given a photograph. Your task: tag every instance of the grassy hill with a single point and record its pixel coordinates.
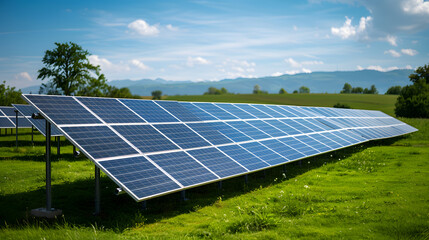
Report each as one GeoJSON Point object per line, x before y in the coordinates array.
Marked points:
{"type": "Point", "coordinates": [385, 103]}
{"type": "Point", "coordinates": [376, 190]}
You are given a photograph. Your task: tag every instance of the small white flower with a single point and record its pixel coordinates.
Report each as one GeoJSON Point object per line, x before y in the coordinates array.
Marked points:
{"type": "Point", "coordinates": [306, 186]}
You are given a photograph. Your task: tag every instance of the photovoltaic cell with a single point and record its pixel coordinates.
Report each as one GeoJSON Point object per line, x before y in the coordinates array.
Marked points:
{"type": "Point", "coordinates": [183, 168]}
{"type": "Point", "coordinates": [282, 149]}
{"type": "Point", "coordinates": [99, 141]}
{"type": "Point", "coordinates": [140, 176]}
{"type": "Point", "coordinates": [62, 109]}
{"type": "Point", "coordinates": [249, 130]}
{"type": "Point", "coordinates": [282, 111]}
{"type": "Point", "coordinates": [267, 128]}
{"type": "Point", "coordinates": [268, 111]}
{"type": "Point", "coordinates": [110, 110]}
{"type": "Point", "coordinates": [252, 110]}
{"type": "Point", "coordinates": [299, 146]}
{"type": "Point", "coordinates": [145, 138]}
{"type": "Point", "coordinates": [198, 111]}
{"type": "Point", "coordinates": [179, 111]}
{"type": "Point", "coordinates": [218, 162]}
{"type": "Point", "coordinates": [149, 110]}
{"type": "Point", "coordinates": [215, 111]}
{"type": "Point", "coordinates": [264, 153]}
{"type": "Point", "coordinates": [182, 135]}
{"type": "Point", "coordinates": [208, 132]}
{"type": "Point", "coordinates": [283, 127]}
{"type": "Point", "coordinates": [243, 157]}
{"type": "Point", "coordinates": [294, 124]}
{"type": "Point", "coordinates": [235, 111]}
{"type": "Point", "coordinates": [6, 123]}
{"type": "Point", "coordinates": [313, 143]}
{"type": "Point", "coordinates": [230, 132]}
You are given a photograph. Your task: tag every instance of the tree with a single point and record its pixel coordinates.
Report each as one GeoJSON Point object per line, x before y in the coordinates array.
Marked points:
{"type": "Point", "coordinates": [357, 90]}
{"type": "Point", "coordinates": [282, 91]}
{"type": "Point", "coordinates": [213, 91]}
{"type": "Point", "coordinates": [372, 90]}
{"type": "Point", "coordinates": [304, 89]}
{"type": "Point", "coordinates": [156, 95]}
{"type": "Point", "coordinates": [295, 91]}
{"type": "Point", "coordinates": [347, 88]}
{"type": "Point", "coordinates": [413, 100]}
{"type": "Point", "coordinates": [394, 90]}
{"type": "Point", "coordinates": [69, 70]}
{"type": "Point", "coordinates": [256, 89]}
{"type": "Point", "coordinates": [223, 91]}
{"type": "Point", "coordinates": [341, 105]}
{"type": "Point", "coordinates": [124, 92]}
{"type": "Point", "coordinates": [9, 95]}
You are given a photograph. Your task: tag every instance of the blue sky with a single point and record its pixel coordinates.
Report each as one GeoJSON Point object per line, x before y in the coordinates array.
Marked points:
{"type": "Point", "coordinates": [213, 40]}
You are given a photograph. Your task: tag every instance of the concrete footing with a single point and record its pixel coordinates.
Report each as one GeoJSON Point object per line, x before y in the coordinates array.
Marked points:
{"type": "Point", "coordinates": [44, 213]}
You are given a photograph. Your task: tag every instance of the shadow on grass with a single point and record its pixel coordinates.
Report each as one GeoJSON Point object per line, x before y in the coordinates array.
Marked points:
{"type": "Point", "coordinates": [76, 199]}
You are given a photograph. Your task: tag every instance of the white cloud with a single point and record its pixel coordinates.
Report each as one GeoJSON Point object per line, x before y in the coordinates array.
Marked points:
{"type": "Point", "coordinates": [312, 63]}
{"type": "Point", "coordinates": [392, 40]}
{"type": "Point", "coordinates": [381, 69]}
{"type": "Point", "coordinates": [235, 68]}
{"type": "Point", "coordinates": [348, 30]}
{"type": "Point", "coordinates": [172, 28]}
{"type": "Point", "coordinates": [416, 7]}
{"type": "Point", "coordinates": [295, 28]}
{"type": "Point", "coordinates": [276, 74]}
{"type": "Point", "coordinates": [409, 51]}
{"type": "Point", "coordinates": [106, 65]}
{"type": "Point", "coordinates": [196, 61]}
{"type": "Point", "coordinates": [293, 63]}
{"type": "Point", "coordinates": [139, 64]}
{"type": "Point", "coordinates": [305, 70]}
{"type": "Point", "coordinates": [393, 53]}
{"type": "Point", "coordinates": [141, 27]}
{"type": "Point", "coordinates": [24, 76]}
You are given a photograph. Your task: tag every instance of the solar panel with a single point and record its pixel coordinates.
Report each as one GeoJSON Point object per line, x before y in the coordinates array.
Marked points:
{"type": "Point", "coordinates": [8, 118]}
{"type": "Point", "coordinates": [40, 124]}
{"type": "Point", "coordinates": [151, 148]}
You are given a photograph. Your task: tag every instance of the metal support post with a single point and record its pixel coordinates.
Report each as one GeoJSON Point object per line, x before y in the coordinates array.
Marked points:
{"type": "Point", "coordinates": [265, 173]}
{"type": "Point", "coordinates": [219, 185]}
{"type": "Point", "coordinates": [48, 166]}
{"type": "Point", "coordinates": [183, 196]}
{"type": "Point", "coordinates": [284, 170]}
{"type": "Point", "coordinates": [58, 147]}
{"type": "Point", "coordinates": [300, 163]}
{"type": "Point", "coordinates": [16, 125]}
{"type": "Point", "coordinates": [32, 131]}
{"type": "Point", "coordinates": [97, 190]}
{"type": "Point", "coordinates": [246, 179]}
{"type": "Point", "coordinates": [144, 205]}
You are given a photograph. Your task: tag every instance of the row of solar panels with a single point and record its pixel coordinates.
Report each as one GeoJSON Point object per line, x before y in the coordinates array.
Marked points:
{"type": "Point", "coordinates": [8, 119]}
{"type": "Point", "coordinates": [151, 148]}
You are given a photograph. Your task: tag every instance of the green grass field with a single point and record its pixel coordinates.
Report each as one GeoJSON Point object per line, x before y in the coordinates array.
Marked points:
{"type": "Point", "coordinates": [375, 190]}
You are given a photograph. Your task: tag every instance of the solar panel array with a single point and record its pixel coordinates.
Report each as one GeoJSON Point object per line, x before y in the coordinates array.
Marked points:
{"type": "Point", "coordinates": [40, 124]}
{"type": "Point", "coordinates": [8, 119]}
{"type": "Point", "coordinates": [152, 148]}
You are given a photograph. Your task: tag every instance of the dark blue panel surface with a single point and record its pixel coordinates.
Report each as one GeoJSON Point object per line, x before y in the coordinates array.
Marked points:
{"type": "Point", "coordinates": [178, 111]}
{"type": "Point", "coordinates": [296, 111]}
{"type": "Point", "coordinates": [350, 136]}
{"type": "Point", "coordinates": [285, 128]}
{"type": "Point", "coordinates": [149, 110]}
{"type": "Point", "coordinates": [110, 110]}
{"type": "Point", "coordinates": [99, 141]}
{"type": "Point", "coordinates": [215, 111]}
{"type": "Point", "coordinates": [208, 132]}
{"type": "Point", "coordinates": [267, 128]}
{"type": "Point", "coordinates": [282, 149]}
{"type": "Point", "coordinates": [319, 124]}
{"type": "Point", "coordinates": [243, 157]}
{"type": "Point", "coordinates": [140, 176]}
{"type": "Point", "coordinates": [296, 125]}
{"type": "Point", "coordinates": [183, 168]}
{"type": "Point", "coordinates": [282, 111]}
{"type": "Point", "coordinates": [22, 122]}
{"type": "Point", "coordinates": [326, 141]}
{"type": "Point", "coordinates": [310, 125]}
{"type": "Point", "coordinates": [313, 143]}
{"type": "Point", "coordinates": [8, 111]}
{"type": "Point", "coordinates": [40, 124]}
{"type": "Point", "coordinates": [299, 146]}
{"type": "Point", "coordinates": [62, 109]}
{"type": "Point", "coordinates": [25, 110]}
{"type": "Point", "coordinates": [328, 123]}
{"type": "Point", "coordinates": [6, 123]}
{"type": "Point", "coordinates": [197, 111]}
{"type": "Point", "coordinates": [145, 138]}
{"type": "Point", "coordinates": [230, 132]}
{"type": "Point", "coordinates": [249, 130]}
{"type": "Point", "coordinates": [182, 135]}
{"type": "Point", "coordinates": [218, 162]}
{"type": "Point", "coordinates": [235, 110]}
{"type": "Point", "coordinates": [250, 109]}
{"type": "Point", "coordinates": [268, 111]}
{"type": "Point", "coordinates": [264, 153]}
{"type": "Point", "coordinates": [336, 138]}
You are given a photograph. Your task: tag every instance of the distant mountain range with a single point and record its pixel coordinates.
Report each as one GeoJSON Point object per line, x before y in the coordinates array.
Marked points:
{"type": "Point", "coordinates": [318, 82]}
